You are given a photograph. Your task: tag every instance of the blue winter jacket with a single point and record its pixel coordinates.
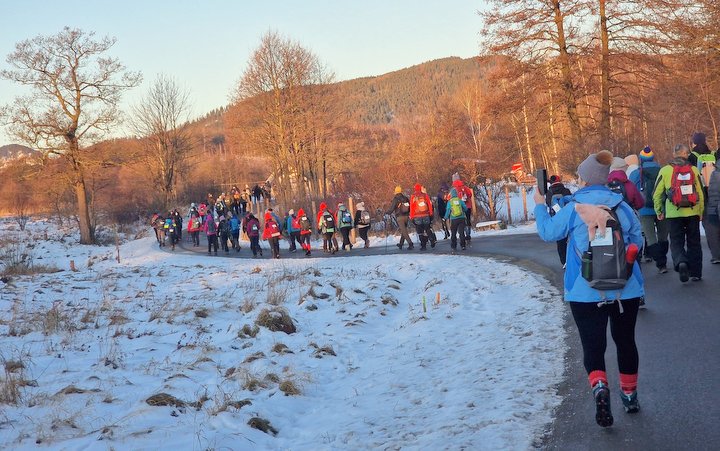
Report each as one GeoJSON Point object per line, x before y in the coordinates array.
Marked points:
{"type": "Point", "coordinates": [635, 178]}
{"type": "Point", "coordinates": [567, 223]}
{"type": "Point", "coordinates": [234, 224]}
{"type": "Point", "coordinates": [289, 224]}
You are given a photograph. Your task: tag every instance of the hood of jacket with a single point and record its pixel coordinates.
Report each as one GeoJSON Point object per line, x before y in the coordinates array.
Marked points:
{"type": "Point", "coordinates": [617, 175]}
{"type": "Point", "coordinates": [323, 206]}
{"type": "Point", "coordinates": [597, 195]}
{"type": "Point", "coordinates": [301, 213]}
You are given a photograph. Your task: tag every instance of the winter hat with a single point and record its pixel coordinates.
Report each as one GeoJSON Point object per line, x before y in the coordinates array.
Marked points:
{"type": "Point", "coordinates": [647, 154]}
{"type": "Point", "coordinates": [323, 206]}
{"type": "Point", "coordinates": [595, 168]}
{"type": "Point", "coordinates": [444, 186]}
{"type": "Point", "coordinates": [398, 189]}
{"type": "Point", "coordinates": [555, 178]}
{"type": "Point", "coordinates": [455, 177]}
{"type": "Point", "coordinates": [618, 164]}
{"type": "Point", "coordinates": [698, 138]}
{"type": "Point", "coordinates": [291, 212]}
{"type": "Point", "coordinates": [417, 187]}
{"type": "Point", "coordinates": [457, 183]}
{"type": "Point", "coordinates": [361, 206]}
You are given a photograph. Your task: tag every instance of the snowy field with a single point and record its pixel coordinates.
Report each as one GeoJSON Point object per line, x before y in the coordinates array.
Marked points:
{"type": "Point", "coordinates": [177, 351]}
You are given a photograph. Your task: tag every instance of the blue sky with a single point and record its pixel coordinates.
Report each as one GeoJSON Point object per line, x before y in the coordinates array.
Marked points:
{"type": "Point", "coordinates": [205, 45]}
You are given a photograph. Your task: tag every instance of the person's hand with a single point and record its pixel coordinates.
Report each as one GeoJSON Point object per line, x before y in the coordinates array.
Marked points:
{"type": "Point", "coordinates": [661, 216]}
{"type": "Point", "coordinates": [538, 198]}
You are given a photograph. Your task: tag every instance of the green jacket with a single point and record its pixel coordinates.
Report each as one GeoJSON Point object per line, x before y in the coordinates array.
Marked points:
{"type": "Point", "coordinates": [661, 199]}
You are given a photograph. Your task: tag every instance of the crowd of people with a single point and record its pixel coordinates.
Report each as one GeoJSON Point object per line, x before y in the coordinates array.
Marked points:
{"type": "Point", "coordinates": [223, 219]}
{"type": "Point", "coordinates": [625, 207]}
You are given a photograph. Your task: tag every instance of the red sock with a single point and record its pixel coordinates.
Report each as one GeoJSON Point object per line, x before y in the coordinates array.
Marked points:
{"type": "Point", "coordinates": [597, 376]}
{"type": "Point", "coordinates": [628, 382]}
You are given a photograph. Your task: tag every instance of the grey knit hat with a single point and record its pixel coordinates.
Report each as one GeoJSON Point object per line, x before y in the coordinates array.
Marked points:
{"type": "Point", "coordinates": [618, 163]}
{"type": "Point", "coordinates": [595, 168]}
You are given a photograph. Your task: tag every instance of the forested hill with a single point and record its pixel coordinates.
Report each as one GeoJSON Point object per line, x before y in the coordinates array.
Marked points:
{"type": "Point", "coordinates": [407, 92]}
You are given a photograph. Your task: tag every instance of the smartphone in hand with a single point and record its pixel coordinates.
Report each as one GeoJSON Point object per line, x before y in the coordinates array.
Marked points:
{"type": "Point", "coordinates": [542, 180]}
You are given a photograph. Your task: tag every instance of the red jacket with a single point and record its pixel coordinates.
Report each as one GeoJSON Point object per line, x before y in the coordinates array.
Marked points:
{"type": "Point", "coordinates": [272, 228]}
{"type": "Point", "coordinates": [416, 199]}
{"type": "Point", "coordinates": [634, 197]}
{"type": "Point", "coordinates": [190, 227]}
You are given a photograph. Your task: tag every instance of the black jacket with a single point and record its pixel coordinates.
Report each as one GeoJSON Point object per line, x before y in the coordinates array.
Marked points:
{"type": "Point", "coordinates": [399, 199]}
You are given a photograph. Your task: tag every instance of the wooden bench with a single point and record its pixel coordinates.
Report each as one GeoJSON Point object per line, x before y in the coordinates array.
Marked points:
{"type": "Point", "coordinates": [488, 225]}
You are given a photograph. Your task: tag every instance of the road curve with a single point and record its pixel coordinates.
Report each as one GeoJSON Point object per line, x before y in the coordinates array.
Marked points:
{"type": "Point", "coordinates": [677, 335]}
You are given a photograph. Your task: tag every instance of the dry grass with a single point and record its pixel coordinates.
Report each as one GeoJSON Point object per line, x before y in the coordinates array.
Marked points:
{"type": "Point", "coordinates": [277, 320]}
{"type": "Point", "coordinates": [282, 349]}
{"type": "Point", "coordinates": [276, 295]}
{"type": "Point", "coordinates": [262, 425]}
{"type": "Point", "coordinates": [248, 331]}
{"type": "Point", "coordinates": [289, 388]}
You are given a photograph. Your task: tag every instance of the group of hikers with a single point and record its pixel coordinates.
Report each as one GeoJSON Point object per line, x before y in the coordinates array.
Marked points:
{"type": "Point", "coordinates": [225, 218]}
{"type": "Point", "coordinates": [624, 207]}
{"type": "Point", "coordinates": [624, 211]}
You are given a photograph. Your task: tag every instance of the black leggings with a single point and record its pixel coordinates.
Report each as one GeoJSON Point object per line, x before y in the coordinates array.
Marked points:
{"type": "Point", "coordinates": [591, 322]}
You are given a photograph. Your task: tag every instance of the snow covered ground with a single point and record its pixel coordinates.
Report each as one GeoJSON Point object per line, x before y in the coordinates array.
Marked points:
{"type": "Point", "coordinates": [437, 352]}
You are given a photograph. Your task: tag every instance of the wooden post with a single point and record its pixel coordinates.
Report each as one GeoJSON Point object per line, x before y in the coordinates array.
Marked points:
{"type": "Point", "coordinates": [507, 199]}
{"type": "Point", "coordinates": [311, 215]}
{"type": "Point", "coordinates": [524, 199]}
{"type": "Point", "coordinates": [351, 209]}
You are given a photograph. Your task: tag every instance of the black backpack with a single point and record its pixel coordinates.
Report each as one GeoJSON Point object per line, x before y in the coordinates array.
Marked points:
{"type": "Point", "coordinates": [648, 176]}
{"type": "Point", "coordinates": [618, 187]}
{"type": "Point", "coordinates": [604, 264]}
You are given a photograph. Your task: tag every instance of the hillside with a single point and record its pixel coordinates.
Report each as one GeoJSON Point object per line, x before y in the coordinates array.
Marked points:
{"type": "Point", "coordinates": [406, 92]}
{"type": "Point", "coordinates": [12, 151]}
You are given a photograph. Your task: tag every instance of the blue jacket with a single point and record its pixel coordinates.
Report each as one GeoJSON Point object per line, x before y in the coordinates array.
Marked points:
{"type": "Point", "coordinates": [635, 178]}
{"type": "Point", "coordinates": [289, 224]}
{"type": "Point", "coordinates": [567, 223]}
{"type": "Point", "coordinates": [234, 224]}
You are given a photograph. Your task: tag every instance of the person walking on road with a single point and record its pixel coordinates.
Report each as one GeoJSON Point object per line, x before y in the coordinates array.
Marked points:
{"type": "Point", "coordinates": [455, 213]}
{"type": "Point", "coordinates": [344, 220]}
{"type": "Point", "coordinates": [679, 197]}
{"type": "Point", "coordinates": [252, 229]}
{"type": "Point", "coordinates": [305, 231]}
{"type": "Point", "coordinates": [421, 213]}
{"type": "Point", "coordinates": [210, 229]}
{"type": "Point", "coordinates": [598, 221]}
{"type": "Point", "coordinates": [362, 222]}
{"type": "Point", "coordinates": [401, 208]}
{"type": "Point", "coordinates": [712, 216]}
{"type": "Point", "coordinates": [654, 230]}
{"type": "Point", "coordinates": [555, 198]}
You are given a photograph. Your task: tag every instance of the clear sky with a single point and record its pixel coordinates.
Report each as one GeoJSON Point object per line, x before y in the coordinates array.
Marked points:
{"type": "Point", "coordinates": [205, 45]}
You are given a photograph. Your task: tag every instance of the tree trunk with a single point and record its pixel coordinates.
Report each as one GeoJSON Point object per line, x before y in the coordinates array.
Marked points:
{"type": "Point", "coordinates": [87, 234]}
{"type": "Point", "coordinates": [604, 79]}
{"type": "Point", "coordinates": [567, 83]}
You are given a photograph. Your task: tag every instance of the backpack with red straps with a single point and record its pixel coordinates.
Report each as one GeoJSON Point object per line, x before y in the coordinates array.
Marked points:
{"type": "Point", "coordinates": [683, 193]}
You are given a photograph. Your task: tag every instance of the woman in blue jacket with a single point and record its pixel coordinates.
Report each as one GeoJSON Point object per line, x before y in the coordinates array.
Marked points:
{"type": "Point", "coordinates": [591, 308]}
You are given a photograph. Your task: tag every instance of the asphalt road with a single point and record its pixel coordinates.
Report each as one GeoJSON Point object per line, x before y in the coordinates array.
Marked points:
{"type": "Point", "coordinates": [678, 338]}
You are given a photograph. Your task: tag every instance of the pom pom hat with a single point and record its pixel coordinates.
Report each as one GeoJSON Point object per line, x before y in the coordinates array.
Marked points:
{"type": "Point", "coordinates": [398, 189]}
{"type": "Point", "coordinates": [595, 168]}
{"type": "Point", "coordinates": [647, 154]}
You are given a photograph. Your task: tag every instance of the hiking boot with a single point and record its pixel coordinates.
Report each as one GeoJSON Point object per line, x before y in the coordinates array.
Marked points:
{"type": "Point", "coordinates": [715, 261]}
{"type": "Point", "coordinates": [423, 247]}
{"type": "Point", "coordinates": [693, 278]}
{"type": "Point", "coordinates": [630, 402]}
{"type": "Point", "coordinates": [399, 246]}
{"type": "Point", "coordinates": [307, 253]}
{"type": "Point", "coordinates": [684, 272]}
{"type": "Point", "coordinates": [603, 415]}
{"type": "Point", "coordinates": [463, 248]}
{"type": "Point", "coordinates": [432, 244]}
{"type": "Point", "coordinates": [411, 247]}
{"type": "Point", "coordinates": [648, 259]}
{"type": "Point", "coordinates": [662, 269]}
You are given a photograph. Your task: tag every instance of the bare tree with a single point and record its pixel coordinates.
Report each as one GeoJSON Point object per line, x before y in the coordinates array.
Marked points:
{"type": "Point", "coordinates": [539, 32]}
{"type": "Point", "coordinates": [73, 102]}
{"type": "Point", "coordinates": [159, 121]}
{"type": "Point", "coordinates": [288, 115]}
